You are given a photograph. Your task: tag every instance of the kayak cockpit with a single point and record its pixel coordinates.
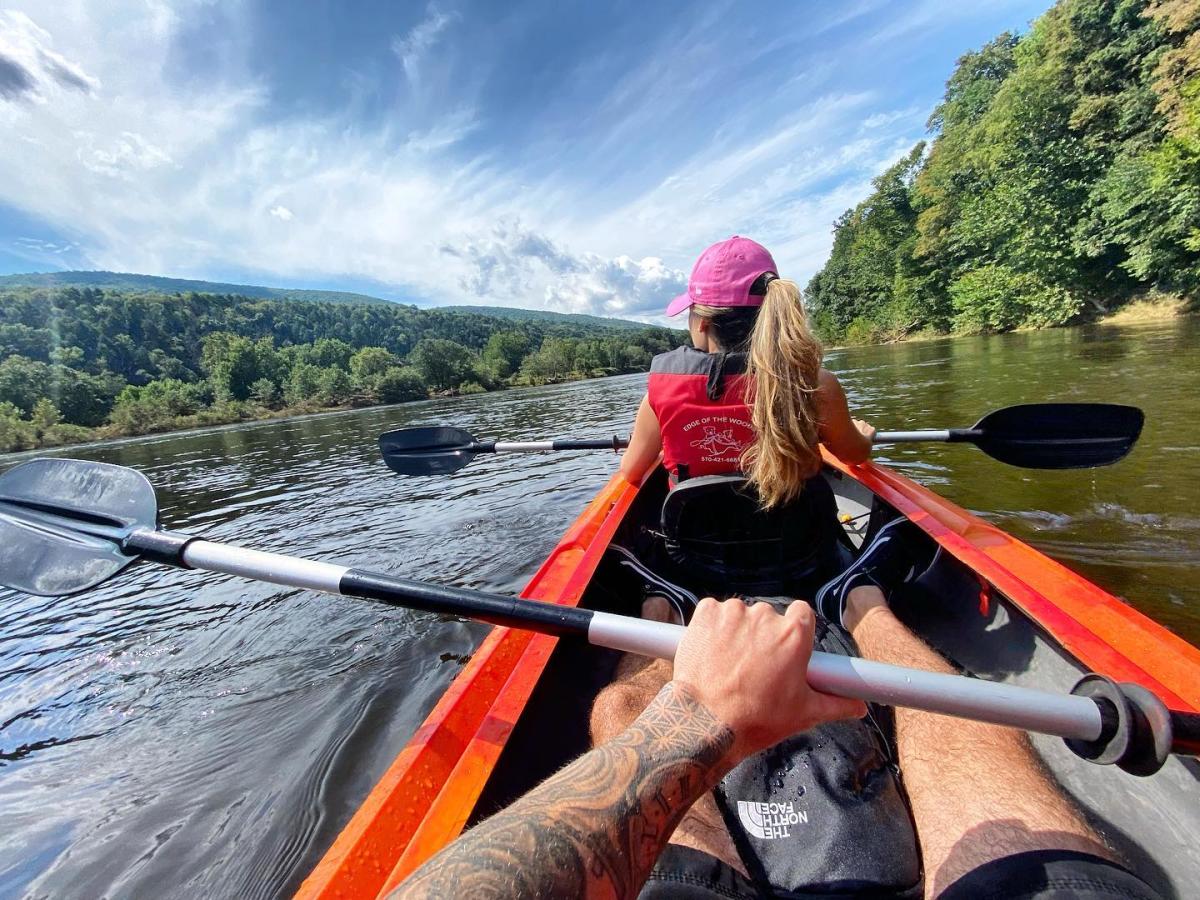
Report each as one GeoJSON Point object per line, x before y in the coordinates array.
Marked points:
{"type": "Point", "coordinates": [1151, 821]}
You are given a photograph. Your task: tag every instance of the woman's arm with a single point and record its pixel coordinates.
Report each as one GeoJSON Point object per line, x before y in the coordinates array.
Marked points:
{"type": "Point", "coordinates": [645, 444]}
{"type": "Point", "coordinates": [848, 439]}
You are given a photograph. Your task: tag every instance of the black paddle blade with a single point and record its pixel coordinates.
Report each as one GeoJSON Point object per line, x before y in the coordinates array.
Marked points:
{"type": "Point", "coordinates": [1059, 435]}
{"type": "Point", "coordinates": [63, 521]}
{"type": "Point", "coordinates": [435, 450]}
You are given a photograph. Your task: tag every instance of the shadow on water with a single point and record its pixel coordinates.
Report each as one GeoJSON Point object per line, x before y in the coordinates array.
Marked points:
{"type": "Point", "coordinates": [179, 734]}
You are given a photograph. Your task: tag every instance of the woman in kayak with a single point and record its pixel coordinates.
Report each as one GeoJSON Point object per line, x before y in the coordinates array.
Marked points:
{"type": "Point", "coordinates": [749, 394]}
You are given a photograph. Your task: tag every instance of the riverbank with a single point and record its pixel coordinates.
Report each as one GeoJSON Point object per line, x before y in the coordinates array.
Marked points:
{"type": "Point", "coordinates": [1150, 308]}
{"type": "Point", "coordinates": [1156, 308]}
{"type": "Point", "coordinates": [22, 435]}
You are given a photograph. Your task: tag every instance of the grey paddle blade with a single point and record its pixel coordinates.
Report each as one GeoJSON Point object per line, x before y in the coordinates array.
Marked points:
{"type": "Point", "coordinates": [63, 522]}
{"type": "Point", "coordinates": [434, 450]}
{"type": "Point", "coordinates": [1059, 435]}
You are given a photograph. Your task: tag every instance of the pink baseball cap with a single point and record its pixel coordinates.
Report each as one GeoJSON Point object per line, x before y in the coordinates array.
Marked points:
{"type": "Point", "coordinates": [724, 274]}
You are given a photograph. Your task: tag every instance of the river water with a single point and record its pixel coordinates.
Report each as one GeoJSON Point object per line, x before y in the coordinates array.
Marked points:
{"type": "Point", "coordinates": [180, 734]}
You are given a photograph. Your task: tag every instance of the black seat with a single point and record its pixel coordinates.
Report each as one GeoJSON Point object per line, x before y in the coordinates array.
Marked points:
{"type": "Point", "coordinates": [717, 534]}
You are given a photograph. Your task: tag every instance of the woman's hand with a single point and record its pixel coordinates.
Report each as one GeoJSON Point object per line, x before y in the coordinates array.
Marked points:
{"type": "Point", "coordinates": [747, 664]}
{"type": "Point", "coordinates": [866, 429]}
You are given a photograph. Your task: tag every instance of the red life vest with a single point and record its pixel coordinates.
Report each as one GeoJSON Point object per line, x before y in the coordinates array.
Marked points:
{"type": "Point", "coordinates": [700, 402]}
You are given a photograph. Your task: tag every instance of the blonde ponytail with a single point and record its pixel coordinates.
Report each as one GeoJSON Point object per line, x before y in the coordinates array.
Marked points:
{"type": "Point", "coordinates": [784, 364]}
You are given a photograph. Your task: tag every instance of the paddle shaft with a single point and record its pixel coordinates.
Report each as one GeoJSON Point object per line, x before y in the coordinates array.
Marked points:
{"type": "Point", "coordinates": [948, 435]}
{"type": "Point", "coordinates": [1063, 715]}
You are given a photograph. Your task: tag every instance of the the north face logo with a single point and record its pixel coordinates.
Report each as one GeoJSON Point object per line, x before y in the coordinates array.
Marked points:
{"type": "Point", "coordinates": [768, 821]}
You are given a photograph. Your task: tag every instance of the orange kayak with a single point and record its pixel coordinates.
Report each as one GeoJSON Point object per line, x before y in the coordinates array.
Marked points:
{"type": "Point", "coordinates": [518, 710]}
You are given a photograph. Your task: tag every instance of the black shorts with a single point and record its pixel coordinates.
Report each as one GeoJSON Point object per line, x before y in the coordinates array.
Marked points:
{"type": "Point", "coordinates": [685, 874]}
{"type": "Point", "coordinates": [1050, 875]}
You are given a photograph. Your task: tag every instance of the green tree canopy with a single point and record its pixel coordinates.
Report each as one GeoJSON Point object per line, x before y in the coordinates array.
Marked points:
{"type": "Point", "coordinates": [1064, 176]}
{"type": "Point", "coordinates": [443, 364]}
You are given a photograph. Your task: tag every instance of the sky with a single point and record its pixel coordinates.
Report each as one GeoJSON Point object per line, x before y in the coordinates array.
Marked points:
{"type": "Point", "coordinates": [571, 155]}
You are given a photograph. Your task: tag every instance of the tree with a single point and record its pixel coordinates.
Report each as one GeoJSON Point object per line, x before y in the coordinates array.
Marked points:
{"type": "Point", "coordinates": [370, 362]}
{"type": "Point", "coordinates": [303, 384]}
{"type": "Point", "coordinates": [872, 274]}
{"type": "Point", "coordinates": [443, 364]}
{"type": "Point", "coordinates": [327, 352]}
{"type": "Point", "coordinates": [334, 386]}
{"type": "Point", "coordinates": [156, 406]}
{"type": "Point", "coordinates": [504, 351]}
{"type": "Point", "coordinates": [265, 392]}
{"type": "Point", "coordinates": [399, 384]}
{"type": "Point", "coordinates": [552, 361]}
{"type": "Point", "coordinates": [45, 415]}
{"type": "Point", "coordinates": [234, 363]}
{"type": "Point", "coordinates": [15, 434]}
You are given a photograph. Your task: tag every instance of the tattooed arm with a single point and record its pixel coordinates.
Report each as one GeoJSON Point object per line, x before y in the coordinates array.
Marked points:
{"type": "Point", "coordinates": [596, 828]}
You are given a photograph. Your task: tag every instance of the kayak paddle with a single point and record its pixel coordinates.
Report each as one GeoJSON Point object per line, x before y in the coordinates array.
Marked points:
{"type": "Point", "coordinates": [1044, 435]}
{"type": "Point", "coordinates": [1031, 436]}
{"type": "Point", "coordinates": [67, 526]}
{"type": "Point", "coordinates": [442, 449]}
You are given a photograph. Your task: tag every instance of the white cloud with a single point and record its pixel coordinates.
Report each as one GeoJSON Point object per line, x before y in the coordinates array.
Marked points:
{"type": "Point", "coordinates": [123, 157]}
{"type": "Point", "coordinates": [447, 132]}
{"type": "Point", "coordinates": [155, 177]}
{"type": "Point", "coordinates": [513, 261]}
{"type": "Point", "coordinates": [890, 117]}
{"type": "Point", "coordinates": [29, 66]}
{"type": "Point", "coordinates": [412, 47]}
{"type": "Point", "coordinates": [39, 247]}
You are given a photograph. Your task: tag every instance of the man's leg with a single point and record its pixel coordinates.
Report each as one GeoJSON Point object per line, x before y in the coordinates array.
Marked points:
{"type": "Point", "coordinates": [638, 681]}
{"type": "Point", "coordinates": [977, 791]}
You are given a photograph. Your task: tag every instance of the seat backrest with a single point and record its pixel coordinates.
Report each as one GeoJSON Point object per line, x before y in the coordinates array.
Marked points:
{"type": "Point", "coordinates": [713, 526]}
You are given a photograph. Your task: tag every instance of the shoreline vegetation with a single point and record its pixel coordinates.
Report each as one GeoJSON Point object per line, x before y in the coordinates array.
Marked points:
{"type": "Point", "coordinates": [1148, 310]}
{"type": "Point", "coordinates": [82, 364]}
{"type": "Point", "coordinates": [1060, 186]}
{"type": "Point", "coordinates": [53, 434]}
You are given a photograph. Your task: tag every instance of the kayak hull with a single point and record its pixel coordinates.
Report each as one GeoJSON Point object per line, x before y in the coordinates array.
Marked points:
{"type": "Point", "coordinates": [519, 708]}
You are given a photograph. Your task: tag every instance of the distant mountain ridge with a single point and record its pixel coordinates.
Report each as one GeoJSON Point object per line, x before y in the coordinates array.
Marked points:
{"type": "Point", "coordinates": [540, 315]}
{"type": "Point", "coordinates": [128, 281]}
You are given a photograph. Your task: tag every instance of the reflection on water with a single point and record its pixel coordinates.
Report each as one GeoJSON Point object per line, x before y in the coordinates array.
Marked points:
{"type": "Point", "coordinates": [184, 734]}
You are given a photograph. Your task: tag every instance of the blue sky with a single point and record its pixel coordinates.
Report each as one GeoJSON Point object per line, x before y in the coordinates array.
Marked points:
{"type": "Point", "coordinates": [563, 155]}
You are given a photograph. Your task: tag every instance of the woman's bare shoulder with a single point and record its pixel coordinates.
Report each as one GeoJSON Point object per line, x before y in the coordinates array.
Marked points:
{"type": "Point", "coordinates": [828, 384]}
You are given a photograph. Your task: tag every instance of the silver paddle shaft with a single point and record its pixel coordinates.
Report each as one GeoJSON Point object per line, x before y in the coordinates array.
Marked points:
{"type": "Point", "coordinates": [1063, 715]}
{"type": "Point", "coordinates": [910, 437]}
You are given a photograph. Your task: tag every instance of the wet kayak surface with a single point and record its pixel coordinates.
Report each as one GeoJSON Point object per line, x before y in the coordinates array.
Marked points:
{"type": "Point", "coordinates": [181, 734]}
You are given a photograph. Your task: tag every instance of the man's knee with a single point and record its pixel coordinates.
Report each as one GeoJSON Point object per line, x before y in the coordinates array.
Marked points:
{"type": "Point", "coordinates": [615, 708]}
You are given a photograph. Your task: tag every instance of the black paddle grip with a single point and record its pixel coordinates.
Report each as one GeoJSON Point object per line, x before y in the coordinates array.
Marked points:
{"type": "Point", "coordinates": [1136, 731]}
{"type": "Point", "coordinates": [963, 435]}
{"type": "Point", "coordinates": [159, 546]}
{"type": "Point", "coordinates": [495, 609]}
{"type": "Point", "coordinates": [614, 443]}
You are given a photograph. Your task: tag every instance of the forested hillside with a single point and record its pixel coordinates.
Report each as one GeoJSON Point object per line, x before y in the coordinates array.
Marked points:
{"type": "Point", "coordinates": [83, 363]}
{"type": "Point", "coordinates": [128, 281]}
{"type": "Point", "coordinates": [1063, 179]}
{"type": "Point", "coordinates": [542, 315]}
